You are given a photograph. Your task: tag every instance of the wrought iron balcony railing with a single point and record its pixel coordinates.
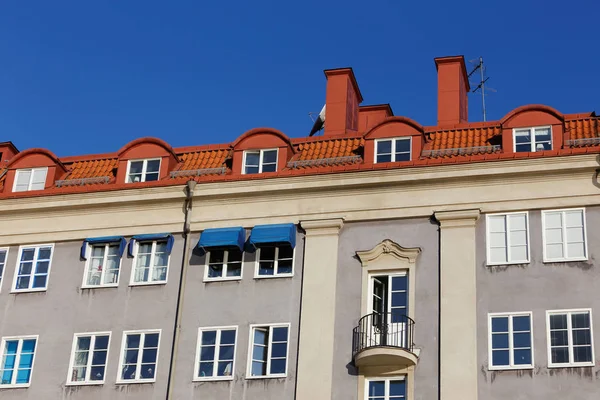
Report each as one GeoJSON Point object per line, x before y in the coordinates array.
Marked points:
{"type": "Point", "coordinates": [383, 330]}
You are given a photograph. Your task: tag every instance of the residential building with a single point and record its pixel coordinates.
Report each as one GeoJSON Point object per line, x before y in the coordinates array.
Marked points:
{"type": "Point", "coordinates": [380, 260]}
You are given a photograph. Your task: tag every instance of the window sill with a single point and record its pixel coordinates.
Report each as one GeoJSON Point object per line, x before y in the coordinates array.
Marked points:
{"type": "Point", "coordinates": [101, 286]}
{"type": "Point", "coordinates": [15, 291]}
{"type": "Point", "coordinates": [234, 278]}
{"type": "Point", "coordinates": [95, 383]}
{"type": "Point", "coordinates": [267, 376]}
{"type": "Point", "coordinates": [508, 263]}
{"type": "Point", "coordinates": [214, 379]}
{"type": "Point", "coordinates": [147, 283]}
{"type": "Point", "coordinates": [273, 276]}
{"type": "Point", "coordinates": [574, 365]}
{"type": "Point", "coordinates": [21, 386]}
{"type": "Point", "coordinates": [513, 368]}
{"type": "Point", "coordinates": [560, 260]}
{"type": "Point", "coordinates": [129, 382]}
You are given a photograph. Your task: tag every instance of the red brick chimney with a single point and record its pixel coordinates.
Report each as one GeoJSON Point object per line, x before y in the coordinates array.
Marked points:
{"type": "Point", "coordinates": [341, 100]}
{"type": "Point", "coordinates": [453, 90]}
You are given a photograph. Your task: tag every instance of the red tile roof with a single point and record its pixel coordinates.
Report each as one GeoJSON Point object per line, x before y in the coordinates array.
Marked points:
{"type": "Point", "coordinates": [92, 169]}
{"type": "Point", "coordinates": [582, 128]}
{"type": "Point", "coordinates": [462, 138]}
{"type": "Point", "coordinates": [203, 159]}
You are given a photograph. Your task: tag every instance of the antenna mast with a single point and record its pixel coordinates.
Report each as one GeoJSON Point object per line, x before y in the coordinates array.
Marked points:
{"type": "Point", "coordinates": [481, 85]}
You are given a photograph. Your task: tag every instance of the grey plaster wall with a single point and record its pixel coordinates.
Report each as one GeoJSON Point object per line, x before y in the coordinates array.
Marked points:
{"type": "Point", "coordinates": [364, 236]}
{"type": "Point", "coordinates": [65, 309]}
{"type": "Point", "coordinates": [238, 303]}
{"type": "Point", "coordinates": [538, 287]}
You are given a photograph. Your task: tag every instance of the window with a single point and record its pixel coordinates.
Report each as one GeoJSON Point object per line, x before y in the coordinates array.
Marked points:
{"type": "Point", "coordinates": [223, 264]}
{"type": "Point", "coordinates": [143, 170]}
{"type": "Point", "coordinates": [570, 338]}
{"type": "Point", "coordinates": [33, 268]}
{"type": "Point", "coordinates": [507, 238]}
{"type": "Point", "coordinates": [564, 235]}
{"type": "Point", "coordinates": [273, 261]}
{"type": "Point", "coordinates": [510, 344]}
{"type": "Point", "coordinates": [386, 389]}
{"type": "Point", "coordinates": [88, 358]}
{"type": "Point", "coordinates": [533, 139]}
{"type": "Point", "coordinates": [102, 267]}
{"type": "Point", "coordinates": [18, 354]}
{"type": "Point", "coordinates": [268, 357]}
{"type": "Point", "coordinates": [3, 256]}
{"type": "Point", "coordinates": [215, 356]}
{"type": "Point", "coordinates": [151, 263]}
{"type": "Point", "coordinates": [392, 150]}
{"type": "Point", "coordinates": [259, 161]}
{"type": "Point", "coordinates": [30, 179]}
{"type": "Point", "coordinates": [139, 356]}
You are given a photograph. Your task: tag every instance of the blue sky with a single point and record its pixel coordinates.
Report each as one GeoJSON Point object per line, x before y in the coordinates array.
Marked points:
{"type": "Point", "coordinates": [80, 77]}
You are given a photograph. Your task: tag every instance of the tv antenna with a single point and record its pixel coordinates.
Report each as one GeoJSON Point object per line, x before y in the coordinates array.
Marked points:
{"type": "Point", "coordinates": [481, 84]}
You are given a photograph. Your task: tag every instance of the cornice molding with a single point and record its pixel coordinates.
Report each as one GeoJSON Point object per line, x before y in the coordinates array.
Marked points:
{"type": "Point", "coordinates": [458, 218]}
{"type": "Point", "coordinates": [321, 227]}
{"type": "Point", "coordinates": [389, 247]}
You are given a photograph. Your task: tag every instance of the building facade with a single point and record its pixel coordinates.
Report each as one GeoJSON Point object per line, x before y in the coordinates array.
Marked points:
{"type": "Point", "coordinates": [381, 260]}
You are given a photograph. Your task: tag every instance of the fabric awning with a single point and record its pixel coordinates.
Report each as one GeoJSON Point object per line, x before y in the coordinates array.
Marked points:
{"type": "Point", "coordinates": [273, 234]}
{"type": "Point", "coordinates": [103, 240]}
{"type": "Point", "coordinates": [222, 238]}
{"type": "Point", "coordinates": [150, 238]}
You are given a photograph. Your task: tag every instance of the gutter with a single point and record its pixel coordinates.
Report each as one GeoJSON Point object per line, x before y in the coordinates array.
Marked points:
{"type": "Point", "coordinates": [189, 193]}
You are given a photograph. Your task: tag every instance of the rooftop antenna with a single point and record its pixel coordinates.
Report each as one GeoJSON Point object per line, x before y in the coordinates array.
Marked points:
{"type": "Point", "coordinates": [481, 84]}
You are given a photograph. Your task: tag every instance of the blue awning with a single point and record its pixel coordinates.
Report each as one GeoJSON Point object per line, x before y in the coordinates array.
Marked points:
{"type": "Point", "coordinates": [103, 240]}
{"type": "Point", "coordinates": [223, 237]}
{"type": "Point", "coordinates": [273, 234]}
{"type": "Point", "coordinates": [149, 238]}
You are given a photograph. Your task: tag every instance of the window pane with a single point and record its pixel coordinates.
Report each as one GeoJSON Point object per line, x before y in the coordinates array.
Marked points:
{"type": "Point", "coordinates": [151, 177]}
{"type": "Point", "coordinates": [554, 251]}
{"type": "Point", "coordinates": [215, 271]}
{"type": "Point", "coordinates": [228, 337]}
{"type": "Point", "coordinates": [285, 252]}
{"type": "Point", "coordinates": [580, 320]}
{"type": "Point", "coordinates": [252, 159]}
{"type": "Point", "coordinates": [582, 337]}
{"type": "Point", "coordinates": [518, 238]}
{"type": "Point", "coordinates": [554, 235]}
{"type": "Point", "coordinates": [133, 341]}
{"type": "Point", "coordinates": [279, 350]}
{"type": "Point", "coordinates": [234, 256]}
{"type": "Point", "coordinates": [225, 368]}
{"type": "Point", "coordinates": [234, 269]}
{"type": "Point", "coordinates": [582, 354]}
{"type": "Point", "coordinates": [522, 339]}
{"type": "Point", "coordinates": [209, 337]}
{"type": "Point", "coordinates": [500, 357]}
{"type": "Point", "coordinates": [522, 136]}
{"type": "Point", "coordinates": [576, 250]}
{"type": "Point", "coordinates": [384, 147]}
{"type": "Point", "coordinates": [278, 366]}
{"type": "Point", "coordinates": [518, 253]}
{"type": "Point", "coordinates": [397, 388]}
{"type": "Point", "coordinates": [269, 156]}
{"type": "Point", "coordinates": [206, 369]}
{"type": "Point", "coordinates": [39, 281]}
{"type": "Point", "coordinates": [500, 341]}
{"type": "Point", "coordinates": [226, 352]}
{"type": "Point", "coordinates": [559, 338]}
{"type": "Point", "coordinates": [147, 371]}
{"type": "Point", "coordinates": [402, 146]}
{"type": "Point", "coordinates": [521, 323]}
{"type": "Point", "coordinates": [574, 218]}
{"type": "Point", "coordinates": [284, 267]}
{"type": "Point", "coordinates": [99, 357]}
{"type": "Point", "coordinates": [151, 340]}
{"type": "Point", "coordinates": [522, 357]}
{"type": "Point", "coordinates": [269, 168]}
{"type": "Point", "coordinates": [97, 373]}
{"type": "Point", "coordinates": [207, 353]}
{"type": "Point", "coordinates": [153, 166]}
{"type": "Point", "coordinates": [553, 220]}
{"type": "Point", "coordinates": [149, 356]}
{"type": "Point", "coordinates": [558, 321]}
{"type": "Point", "coordinates": [575, 235]}
{"type": "Point", "coordinates": [542, 135]}
{"type": "Point", "coordinates": [27, 254]}
{"type": "Point", "coordinates": [381, 158]}
{"type": "Point", "coordinates": [500, 324]}
{"type": "Point", "coordinates": [377, 388]}
{"type": "Point", "coordinates": [280, 334]}
{"type": "Point", "coordinates": [251, 170]}
{"type": "Point", "coordinates": [498, 255]}
{"type": "Point", "coordinates": [136, 167]}
{"type": "Point", "coordinates": [259, 368]}
{"type": "Point", "coordinates": [560, 355]}
{"type": "Point", "coordinates": [260, 336]}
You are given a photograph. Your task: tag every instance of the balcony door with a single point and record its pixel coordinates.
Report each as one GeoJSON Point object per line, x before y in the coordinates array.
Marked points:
{"type": "Point", "coordinates": [389, 309]}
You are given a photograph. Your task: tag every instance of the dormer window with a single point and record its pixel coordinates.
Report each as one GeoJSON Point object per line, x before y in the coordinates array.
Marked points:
{"type": "Point", "coordinates": [259, 161]}
{"type": "Point", "coordinates": [392, 150]}
{"type": "Point", "coordinates": [143, 170]}
{"type": "Point", "coordinates": [30, 179]}
{"type": "Point", "coordinates": [532, 139]}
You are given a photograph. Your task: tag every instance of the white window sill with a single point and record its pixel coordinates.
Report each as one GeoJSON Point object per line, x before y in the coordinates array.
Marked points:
{"type": "Point", "coordinates": [510, 368]}
{"type": "Point", "coordinates": [128, 382]}
{"type": "Point", "coordinates": [94, 383]}
{"type": "Point", "coordinates": [214, 379]}
{"type": "Point", "coordinates": [27, 291]}
{"type": "Point", "coordinates": [147, 283]}
{"type": "Point", "coordinates": [572, 365]}
{"type": "Point", "coordinates": [564, 260]}
{"type": "Point", "coordinates": [508, 263]}
{"type": "Point", "coordinates": [233, 278]}
{"type": "Point", "coordinates": [267, 376]}
{"type": "Point", "coordinates": [273, 276]}
{"type": "Point", "coordinates": [20, 386]}
{"type": "Point", "coordinates": [101, 286]}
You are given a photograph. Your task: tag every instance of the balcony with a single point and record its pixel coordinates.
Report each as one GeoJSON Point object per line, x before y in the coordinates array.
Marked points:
{"type": "Point", "coordinates": [384, 339]}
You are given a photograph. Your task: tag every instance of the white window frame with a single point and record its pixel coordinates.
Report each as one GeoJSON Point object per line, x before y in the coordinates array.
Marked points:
{"type": "Point", "coordinates": [30, 178]}
{"type": "Point", "coordinates": [393, 149]}
{"type": "Point", "coordinates": [18, 263]}
{"type": "Point", "coordinates": [387, 380]}
{"type": "Point", "coordinates": [195, 376]}
{"type": "Point", "coordinates": [569, 312]}
{"type": "Point", "coordinates": [488, 242]}
{"type": "Point", "coordinates": [87, 381]}
{"type": "Point", "coordinates": [511, 347]}
{"type": "Point", "coordinates": [269, 346]}
{"type": "Point", "coordinates": [88, 262]}
{"type": "Point", "coordinates": [532, 133]}
{"type": "Point", "coordinates": [276, 265]}
{"type": "Point", "coordinates": [224, 276]}
{"type": "Point", "coordinates": [144, 168]}
{"type": "Point", "coordinates": [132, 282]}
{"type": "Point", "coordinates": [143, 333]}
{"type": "Point", "coordinates": [3, 276]}
{"type": "Point", "coordinates": [260, 160]}
{"type": "Point", "coordinates": [585, 239]}
{"type": "Point", "coordinates": [18, 359]}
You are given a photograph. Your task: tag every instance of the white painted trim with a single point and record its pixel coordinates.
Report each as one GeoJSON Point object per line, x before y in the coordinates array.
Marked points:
{"type": "Point", "coordinates": [144, 168]}
{"type": "Point", "coordinates": [512, 365]}
{"type": "Point", "coordinates": [393, 152]}
{"type": "Point", "coordinates": [507, 219]}
{"type": "Point", "coordinates": [16, 273]}
{"type": "Point", "coordinates": [18, 358]}
{"type": "Point", "coordinates": [532, 133]}
{"type": "Point", "coordinates": [387, 380]}
{"type": "Point", "coordinates": [223, 278]}
{"type": "Point", "coordinates": [564, 236]}
{"type": "Point", "coordinates": [152, 266]}
{"type": "Point", "coordinates": [195, 377]}
{"type": "Point", "coordinates": [570, 364]}
{"type": "Point", "coordinates": [270, 326]}
{"type": "Point", "coordinates": [276, 265]}
{"type": "Point", "coordinates": [3, 278]}
{"type": "Point", "coordinates": [120, 381]}
{"type": "Point", "coordinates": [88, 252]}
{"type": "Point", "coordinates": [69, 382]}
{"type": "Point", "coordinates": [30, 178]}
{"type": "Point", "coordinates": [260, 159]}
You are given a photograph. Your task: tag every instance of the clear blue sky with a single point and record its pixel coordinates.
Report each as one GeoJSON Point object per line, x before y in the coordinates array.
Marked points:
{"type": "Point", "coordinates": [81, 77]}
